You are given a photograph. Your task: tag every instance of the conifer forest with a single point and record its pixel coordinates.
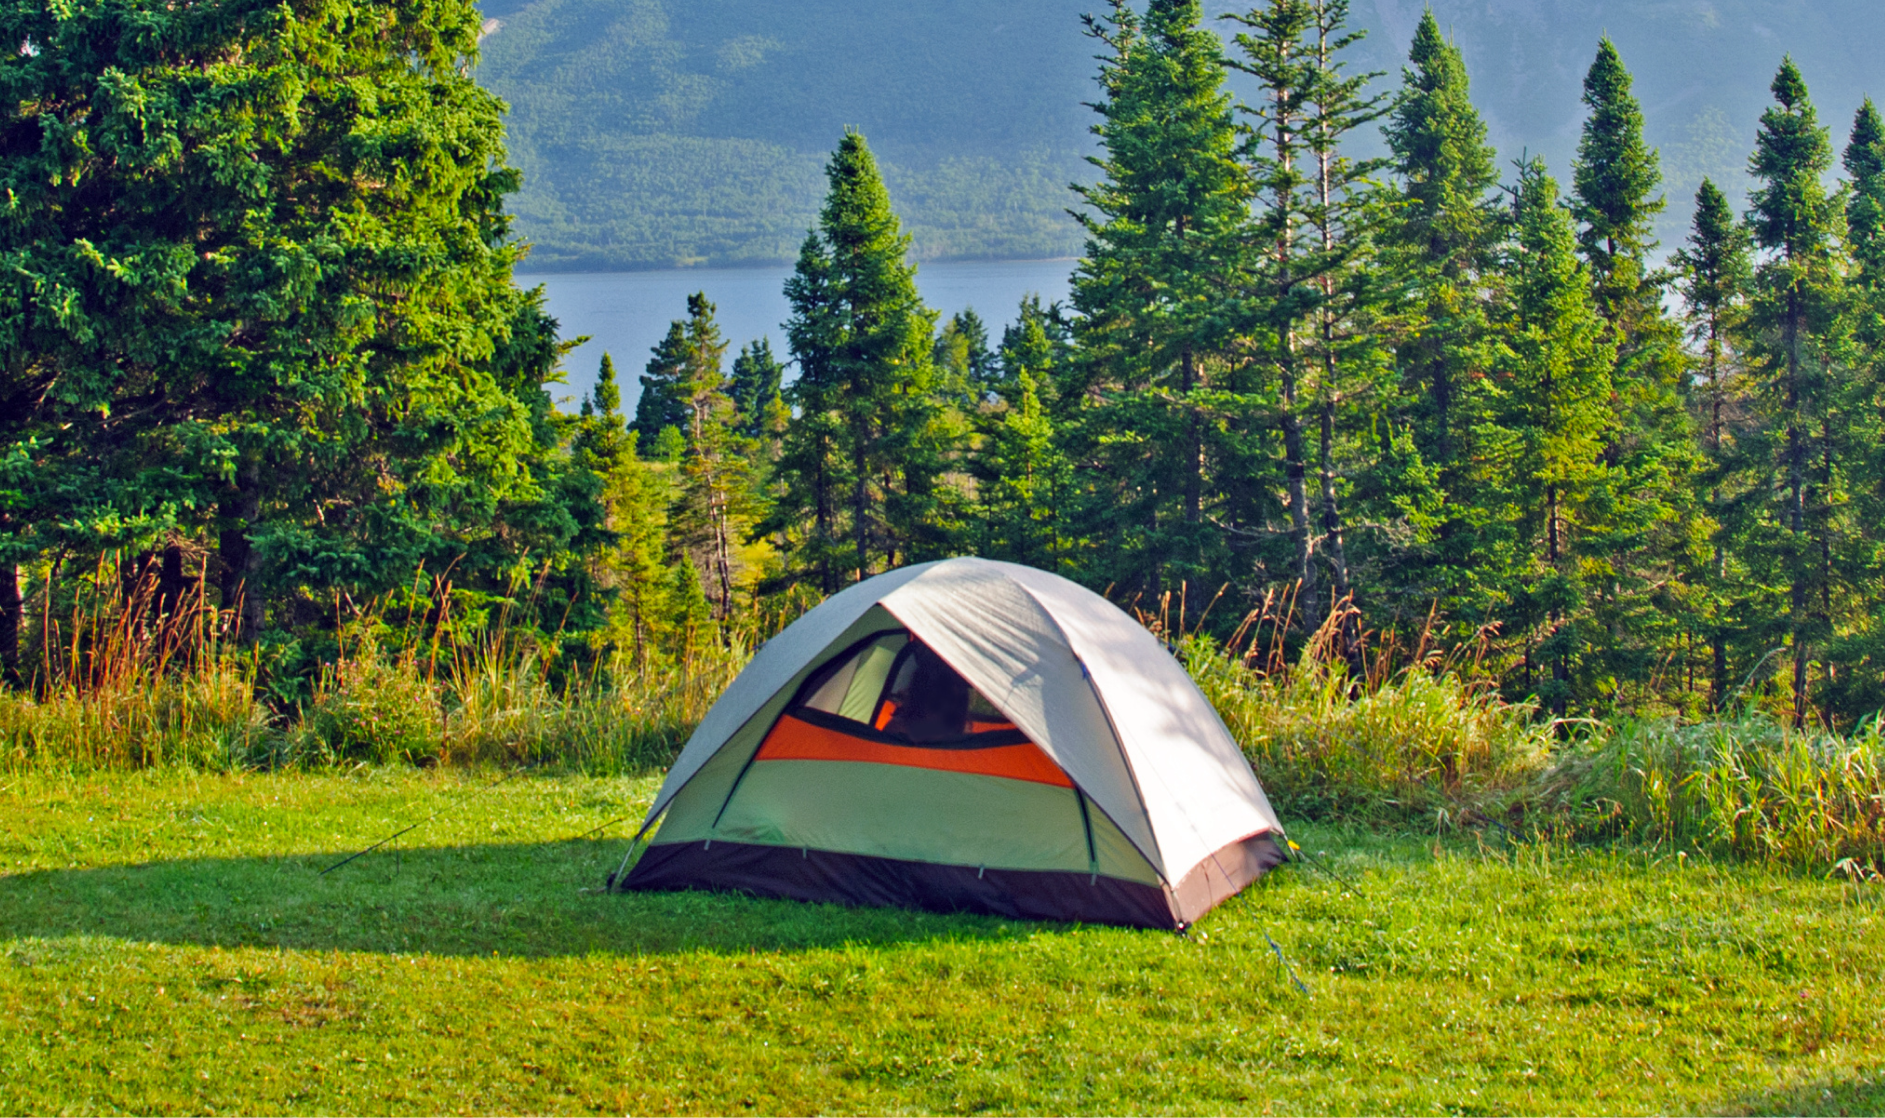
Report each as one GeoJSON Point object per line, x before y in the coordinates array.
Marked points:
{"type": "Point", "coordinates": [267, 374]}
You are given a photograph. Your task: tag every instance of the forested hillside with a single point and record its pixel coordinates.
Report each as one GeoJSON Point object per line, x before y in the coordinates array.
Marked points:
{"type": "Point", "coordinates": [655, 133]}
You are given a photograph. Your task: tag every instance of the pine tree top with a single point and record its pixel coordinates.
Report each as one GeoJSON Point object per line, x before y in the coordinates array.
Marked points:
{"type": "Point", "coordinates": [1178, 27]}
{"type": "Point", "coordinates": [1716, 235]}
{"type": "Point", "coordinates": [1715, 260]}
{"type": "Point", "coordinates": [1791, 153]}
{"type": "Point", "coordinates": [1865, 204]}
{"type": "Point", "coordinates": [1865, 152]}
{"type": "Point", "coordinates": [606, 395]}
{"type": "Point", "coordinates": [1167, 126]}
{"type": "Point", "coordinates": [857, 222]}
{"type": "Point", "coordinates": [1439, 145]}
{"type": "Point", "coordinates": [1550, 272]}
{"type": "Point", "coordinates": [1615, 172]}
{"type": "Point", "coordinates": [1435, 132]}
{"type": "Point", "coordinates": [1789, 88]}
{"type": "Point", "coordinates": [1437, 64]}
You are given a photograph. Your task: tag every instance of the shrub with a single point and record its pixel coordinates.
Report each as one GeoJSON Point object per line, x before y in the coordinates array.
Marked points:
{"type": "Point", "coordinates": [626, 719]}
{"type": "Point", "coordinates": [371, 708]}
{"type": "Point", "coordinates": [1427, 741]}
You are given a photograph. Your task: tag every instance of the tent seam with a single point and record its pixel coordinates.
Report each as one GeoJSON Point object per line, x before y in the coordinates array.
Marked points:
{"type": "Point", "coordinates": [1155, 860]}
{"type": "Point", "coordinates": [1158, 852]}
{"type": "Point", "coordinates": [1127, 760]}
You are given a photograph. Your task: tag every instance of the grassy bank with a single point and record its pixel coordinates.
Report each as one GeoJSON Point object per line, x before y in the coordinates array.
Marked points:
{"type": "Point", "coordinates": [1434, 747]}
{"type": "Point", "coordinates": [167, 944]}
{"type": "Point", "coordinates": [1428, 746]}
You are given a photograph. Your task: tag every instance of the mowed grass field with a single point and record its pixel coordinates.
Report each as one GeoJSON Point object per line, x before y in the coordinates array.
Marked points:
{"type": "Point", "coordinates": [168, 945]}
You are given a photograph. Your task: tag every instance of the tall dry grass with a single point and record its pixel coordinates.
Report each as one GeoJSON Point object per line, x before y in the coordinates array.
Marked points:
{"type": "Point", "coordinates": [205, 717]}
{"type": "Point", "coordinates": [129, 680]}
{"type": "Point", "coordinates": [1355, 727]}
{"type": "Point", "coordinates": [128, 685]}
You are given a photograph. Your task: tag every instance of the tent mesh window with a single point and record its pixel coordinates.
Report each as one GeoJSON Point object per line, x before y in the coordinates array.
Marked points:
{"type": "Point", "coordinates": [894, 688]}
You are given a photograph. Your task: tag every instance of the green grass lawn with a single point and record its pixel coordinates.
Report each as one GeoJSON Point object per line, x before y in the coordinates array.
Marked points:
{"type": "Point", "coordinates": [166, 944]}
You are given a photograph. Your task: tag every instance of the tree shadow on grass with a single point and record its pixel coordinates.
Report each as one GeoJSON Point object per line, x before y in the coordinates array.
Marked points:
{"type": "Point", "coordinates": [1854, 1094]}
{"type": "Point", "coordinates": [527, 899]}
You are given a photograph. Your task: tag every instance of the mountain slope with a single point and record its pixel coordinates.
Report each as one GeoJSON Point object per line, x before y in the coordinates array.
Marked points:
{"type": "Point", "coordinates": [656, 133]}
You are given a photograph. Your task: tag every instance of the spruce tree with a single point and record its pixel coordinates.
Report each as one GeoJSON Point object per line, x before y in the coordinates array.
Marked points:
{"type": "Point", "coordinates": [1614, 179]}
{"type": "Point", "coordinates": [865, 442]}
{"type": "Point", "coordinates": [805, 516]}
{"type": "Point", "coordinates": [661, 403]}
{"type": "Point", "coordinates": [965, 374]}
{"type": "Point", "coordinates": [1716, 271]}
{"type": "Point", "coordinates": [1794, 223]}
{"type": "Point", "coordinates": [1024, 479]}
{"type": "Point", "coordinates": [1645, 545]}
{"type": "Point", "coordinates": [1310, 292]}
{"type": "Point", "coordinates": [1354, 364]}
{"type": "Point", "coordinates": [716, 502]}
{"type": "Point", "coordinates": [669, 445]}
{"type": "Point", "coordinates": [1439, 240]}
{"type": "Point", "coordinates": [605, 396]}
{"type": "Point", "coordinates": [600, 441]}
{"type": "Point", "coordinates": [630, 568]}
{"type": "Point", "coordinates": [1864, 160]}
{"type": "Point", "coordinates": [690, 615]}
{"type": "Point", "coordinates": [755, 389]}
{"type": "Point", "coordinates": [1039, 341]}
{"type": "Point", "coordinates": [1163, 227]}
{"type": "Point", "coordinates": [1551, 417]}
{"type": "Point", "coordinates": [964, 362]}
{"type": "Point", "coordinates": [1284, 263]}
{"type": "Point", "coordinates": [1858, 686]}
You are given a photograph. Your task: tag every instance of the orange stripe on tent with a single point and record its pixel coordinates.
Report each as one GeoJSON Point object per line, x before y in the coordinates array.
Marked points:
{"type": "Point", "coordinates": [795, 740]}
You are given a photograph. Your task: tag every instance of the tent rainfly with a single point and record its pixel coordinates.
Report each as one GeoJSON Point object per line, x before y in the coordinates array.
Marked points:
{"type": "Point", "coordinates": [965, 735]}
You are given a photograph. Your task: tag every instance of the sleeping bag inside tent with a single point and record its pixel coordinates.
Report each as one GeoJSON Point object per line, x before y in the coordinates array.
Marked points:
{"type": "Point", "coordinates": [965, 735]}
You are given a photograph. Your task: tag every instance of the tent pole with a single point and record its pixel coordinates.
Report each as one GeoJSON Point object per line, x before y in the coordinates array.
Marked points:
{"type": "Point", "coordinates": [615, 879]}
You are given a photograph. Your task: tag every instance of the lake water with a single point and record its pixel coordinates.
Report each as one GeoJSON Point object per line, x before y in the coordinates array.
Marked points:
{"type": "Point", "coordinates": [627, 313]}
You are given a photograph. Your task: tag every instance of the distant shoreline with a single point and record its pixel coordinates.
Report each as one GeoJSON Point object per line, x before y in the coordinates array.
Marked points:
{"type": "Point", "coordinates": [759, 267]}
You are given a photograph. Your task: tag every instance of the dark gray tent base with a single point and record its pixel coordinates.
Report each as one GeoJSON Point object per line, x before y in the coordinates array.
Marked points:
{"type": "Point", "coordinates": [853, 879]}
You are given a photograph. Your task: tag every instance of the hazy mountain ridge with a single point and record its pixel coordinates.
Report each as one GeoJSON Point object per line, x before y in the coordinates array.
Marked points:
{"type": "Point", "coordinates": [654, 132]}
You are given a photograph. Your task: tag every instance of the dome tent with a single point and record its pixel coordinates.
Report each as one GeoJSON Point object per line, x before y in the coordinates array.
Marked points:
{"type": "Point", "coordinates": [965, 735]}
